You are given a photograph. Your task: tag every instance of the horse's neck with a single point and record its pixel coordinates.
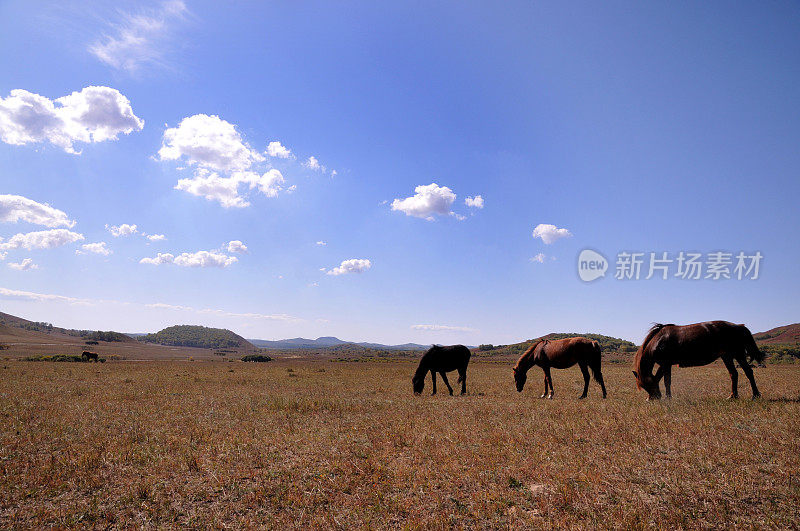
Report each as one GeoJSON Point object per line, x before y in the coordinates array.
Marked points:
{"type": "Point", "coordinates": [528, 361]}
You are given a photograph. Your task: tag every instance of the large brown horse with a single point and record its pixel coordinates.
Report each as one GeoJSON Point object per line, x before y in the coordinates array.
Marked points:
{"type": "Point", "coordinates": [692, 346]}
{"type": "Point", "coordinates": [561, 354]}
{"type": "Point", "coordinates": [442, 360]}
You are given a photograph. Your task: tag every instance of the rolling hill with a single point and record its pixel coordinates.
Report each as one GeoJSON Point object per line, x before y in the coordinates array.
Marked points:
{"type": "Point", "coordinates": [198, 337]}
{"type": "Point", "coordinates": [327, 342]}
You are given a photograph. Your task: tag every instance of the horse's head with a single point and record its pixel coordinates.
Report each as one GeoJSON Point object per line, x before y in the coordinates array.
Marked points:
{"type": "Point", "coordinates": [520, 377]}
{"type": "Point", "coordinates": [649, 383]}
{"type": "Point", "coordinates": [418, 382]}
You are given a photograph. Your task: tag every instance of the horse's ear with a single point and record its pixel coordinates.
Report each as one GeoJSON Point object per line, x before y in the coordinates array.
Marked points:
{"type": "Point", "coordinates": [514, 370]}
{"type": "Point", "coordinates": [636, 375]}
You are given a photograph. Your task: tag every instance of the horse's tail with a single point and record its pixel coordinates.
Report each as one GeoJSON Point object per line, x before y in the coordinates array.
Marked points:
{"type": "Point", "coordinates": [597, 354]}
{"type": "Point", "coordinates": [750, 346]}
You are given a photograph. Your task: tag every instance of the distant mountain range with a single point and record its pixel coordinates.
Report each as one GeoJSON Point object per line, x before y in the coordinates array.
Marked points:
{"type": "Point", "coordinates": [326, 342]}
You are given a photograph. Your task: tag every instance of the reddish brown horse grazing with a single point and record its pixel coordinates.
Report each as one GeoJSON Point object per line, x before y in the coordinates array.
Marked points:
{"type": "Point", "coordinates": [442, 360]}
{"type": "Point", "coordinates": [692, 346]}
{"type": "Point", "coordinates": [561, 354]}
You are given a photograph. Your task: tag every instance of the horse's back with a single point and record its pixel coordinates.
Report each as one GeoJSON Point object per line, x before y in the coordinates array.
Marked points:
{"type": "Point", "coordinates": [698, 344]}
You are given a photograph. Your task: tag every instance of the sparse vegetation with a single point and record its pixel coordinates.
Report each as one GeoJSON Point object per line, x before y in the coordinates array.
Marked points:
{"type": "Point", "coordinates": [256, 358]}
{"type": "Point", "coordinates": [178, 444]}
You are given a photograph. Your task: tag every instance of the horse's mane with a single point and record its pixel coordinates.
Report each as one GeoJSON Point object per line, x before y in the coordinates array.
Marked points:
{"type": "Point", "coordinates": [528, 353]}
{"type": "Point", "coordinates": [656, 328]}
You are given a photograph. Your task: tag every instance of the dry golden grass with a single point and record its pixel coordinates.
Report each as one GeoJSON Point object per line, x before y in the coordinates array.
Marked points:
{"type": "Point", "coordinates": [325, 444]}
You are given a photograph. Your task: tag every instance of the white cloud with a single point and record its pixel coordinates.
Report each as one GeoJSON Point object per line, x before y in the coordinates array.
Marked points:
{"type": "Point", "coordinates": [214, 188]}
{"type": "Point", "coordinates": [44, 239]}
{"type": "Point", "coordinates": [225, 190]}
{"type": "Point", "coordinates": [204, 259]}
{"type": "Point", "coordinates": [550, 233]}
{"type": "Point", "coordinates": [155, 237]}
{"type": "Point", "coordinates": [278, 150]}
{"type": "Point", "coordinates": [236, 246]}
{"type": "Point", "coordinates": [441, 328]}
{"type": "Point", "coordinates": [196, 259]}
{"type": "Point", "coordinates": [322, 243]}
{"type": "Point", "coordinates": [313, 164]}
{"type": "Point", "coordinates": [209, 142]}
{"type": "Point", "coordinates": [474, 202]}
{"type": "Point", "coordinates": [95, 114]}
{"type": "Point", "coordinates": [539, 258]}
{"type": "Point", "coordinates": [26, 265]}
{"type": "Point", "coordinates": [6, 293]}
{"type": "Point", "coordinates": [96, 248]}
{"type": "Point", "coordinates": [122, 230]}
{"type": "Point", "coordinates": [139, 39]}
{"type": "Point", "coordinates": [334, 173]}
{"type": "Point", "coordinates": [162, 258]}
{"type": "Point", "coordinates": [427, 201]}
{"type": "Point", "coordinates": [14, 208]}
{"type": "Point", "coordinates": [354, 265]}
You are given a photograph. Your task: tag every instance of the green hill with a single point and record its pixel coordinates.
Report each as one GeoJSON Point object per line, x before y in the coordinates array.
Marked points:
{"type": "Point", "coordinates": [198, 336]}
{"type": "Point", "coordinates": [614, 348]}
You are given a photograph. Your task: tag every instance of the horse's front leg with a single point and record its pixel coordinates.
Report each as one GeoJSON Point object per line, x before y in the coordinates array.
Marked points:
{"type": "Point", "coordinates": [546, 385]}
{"type": "Point", "coordinates": [444, 377]}
{"type": "Point", "coordinates": [549, 381]}
{"type": "Point", "coordinates": [433, 384]}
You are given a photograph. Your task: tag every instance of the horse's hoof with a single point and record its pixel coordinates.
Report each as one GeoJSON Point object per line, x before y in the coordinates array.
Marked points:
{"type": "Point", "coordinates": [756, 396]}
{"type": "Point", "coordinates": [543, 396]}
{"type": "Point", "coordinates": [549, 397]}
{"type": "Point", "coordinates": [733, 397]}
{"type": "Point", "coordinates": [581, 397]}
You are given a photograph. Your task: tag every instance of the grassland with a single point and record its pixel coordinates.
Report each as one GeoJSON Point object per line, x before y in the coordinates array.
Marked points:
{"type": "Point", "coordinates": [298, 444]}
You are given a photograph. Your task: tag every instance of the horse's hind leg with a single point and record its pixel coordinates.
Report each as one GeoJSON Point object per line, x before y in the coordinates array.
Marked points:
{"type": "Point", "coordinates": [546, 387]}
{"type": "Point", "coordinates": [444, 377]}
{"type": "Point", "coordinates": [433, 377]}
{"type": "Point", "coordinates": [668, 380]}
{"type": "Point", "coordinates": [748, 371]}
{"type": "Point", "coordinates": [734, 376]}
{"type": "Point", "coordinates": [598, 375]}
{"type": "Point", "coordinates": [462, 377]}
{"type": "Point", "coordinates": [585, 372]}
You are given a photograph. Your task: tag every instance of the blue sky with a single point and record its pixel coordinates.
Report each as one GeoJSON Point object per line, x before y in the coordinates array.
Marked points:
{"type": "Point", "coordinates": [628, 126]}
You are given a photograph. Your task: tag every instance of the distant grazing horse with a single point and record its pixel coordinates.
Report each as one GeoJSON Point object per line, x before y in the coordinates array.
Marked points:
{"type": "Point", "coordinates": [89, 356]}
{"type": "Point", "coordinates": [691, 346]}
{"type": "Point", "coordinates": [442, 360]}
{"type": "Point", "coordinates": [561, 354]}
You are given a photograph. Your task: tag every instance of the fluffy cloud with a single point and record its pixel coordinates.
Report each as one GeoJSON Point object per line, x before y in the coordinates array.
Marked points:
{"type": "Point", "coordinates": [278, 150]}
{"type": "Point", "coordinates": [44, 239]}
{"type": "Point", "coordinates": [539, 258]}
{"type": "Point", "coordinates": [208, 142]}
{"type": "Point", "coordinates": [442, 328]}
{"type": "Point", "coordinates": [236, 246]}
{"type": "Point", "coordinates": [26, 265]}
{"type": "Point", "coordinates": [427, 201]}
{"type": "Point", "coordinates": [155, 237]}
{"type": "Point", "coordinates": [162, 258]}
{"type": "Point", "coordinates": [550, 233]}
{"type": "Point", "coordinates": [354, 265]}
{"type": "Point", "coordinates": [122, 230]}
{"type": "Point", "coordinates": [95, 248]}
{"type": "Point", "coordinates": [313, 164]}
{"type": "Point", "coordinates": [474, 202]}
{"type": "Point", "coordinates": [95, 114]}
{"type": "Point", "coordinates": [225, 190]}
{"type": "Point", "coordinates": [196, 259]}
{"type": "Point", "coordinates": [140, 38]}
{"type": "Point", "coordinates": [14, 208]}
{"type": "Point", "coordinates": [322, 243]}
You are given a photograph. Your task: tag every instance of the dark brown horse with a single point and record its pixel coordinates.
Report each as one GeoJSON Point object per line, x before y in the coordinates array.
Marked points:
{"type": "Point", "coordinates": [442, 360]}
{"type": "Point", "coordinates": [89, 356]}
{"type": "Point", "coordinates": [692, 346]}
{"type": "Point", "coordinates": [560, 354]}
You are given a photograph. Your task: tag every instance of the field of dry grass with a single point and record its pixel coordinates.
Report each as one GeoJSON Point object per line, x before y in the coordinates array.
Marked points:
{"type": "Point", "coordinates": [331, 444]}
